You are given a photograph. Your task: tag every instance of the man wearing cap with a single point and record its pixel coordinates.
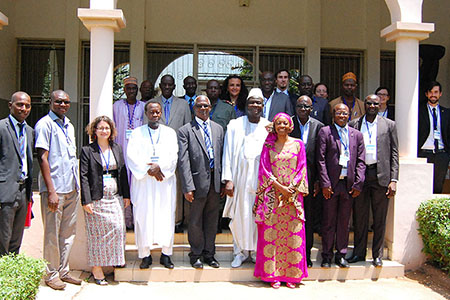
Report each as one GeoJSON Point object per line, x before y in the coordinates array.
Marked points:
{"type": "Point", "coordinates": [242, 149]}
{"type": "Point", "coordinates": [128, 114]}
{"type": "Point", "coordinates": [355, 105]}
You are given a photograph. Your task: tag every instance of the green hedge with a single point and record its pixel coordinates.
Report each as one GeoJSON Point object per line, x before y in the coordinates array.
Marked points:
{"type": "Point", "coordinates": [434, 227]}
{"type": "Point", "coordinates": [20, 276]}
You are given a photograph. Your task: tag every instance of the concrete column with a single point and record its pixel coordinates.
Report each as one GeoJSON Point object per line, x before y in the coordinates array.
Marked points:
{"type": "Point", "coordinates": [312, 23]}
{"type": "Point", "coordinates": [102, 20]}
{"type": "Point", "coordinates": [137, 36]}
{"type": "Point", "coordinates": [3, 20]}
{"type": "Point", "coordinates": [371, 75]}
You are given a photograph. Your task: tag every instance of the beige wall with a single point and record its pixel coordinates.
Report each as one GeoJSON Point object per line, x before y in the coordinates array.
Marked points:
{"type": "Point", "coordinates": [7, 57]}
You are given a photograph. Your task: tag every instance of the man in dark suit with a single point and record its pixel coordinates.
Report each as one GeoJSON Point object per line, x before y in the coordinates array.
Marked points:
{"type": "Point", "coordinates": [273, 102]}
{"type": "Point", "coordinates": [434, 134]}
{"type": "Point", "coordinates": [320, 110]}
{"type": "Point", "coordinates": [190, 86]}
{"type": "Point", "coordinates": [381, 143]}
{"type": "Point", "coordinates": [282, 78]}
{"type": "Point", "coordinates": [16, 169]}
{"type": "Point", "coordinates": [341, 167]}
{"type": "Point", "coordinates": [307, 129]}
{"type": "Point", "coordinates": [199, 160]}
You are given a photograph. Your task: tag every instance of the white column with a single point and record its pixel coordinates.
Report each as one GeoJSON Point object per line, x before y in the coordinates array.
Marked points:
{"type": "Point", "coordinates": [102, 20]}
{"type": "Point", "coordinates": [3, 20]}
{"type": "Point", "coordinates": [312, 23]}
{"type": "Point", "coordinates": [137, 37]}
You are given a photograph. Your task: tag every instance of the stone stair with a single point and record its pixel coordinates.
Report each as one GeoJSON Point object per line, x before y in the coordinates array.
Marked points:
{"type": "Point", "coordinates": [224, 254]}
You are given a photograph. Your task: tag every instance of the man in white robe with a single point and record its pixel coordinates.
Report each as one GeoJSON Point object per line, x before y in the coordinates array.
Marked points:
{"type": "Point", "coordinates": [152, 159]}
{"type": "Point", "coordinates": [242, 149]}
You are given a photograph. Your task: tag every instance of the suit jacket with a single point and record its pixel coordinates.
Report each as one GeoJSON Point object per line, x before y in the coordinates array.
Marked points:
{"type": "Point", "coordinates": [328, 151]}
{"type": "Point", "coordinates": [180, 113]}
{"type": "Point", "coordinates": [387, 149]}
{"type": "Point", "coordinates": [311, 161]}
{"type": "Point", "coordinates": [293, 99]}
{"type": "Point", "coordinates": [223, 113]}
{"type": "Point", "coordinates": [91, 173]}
{"type": "Point", "coordinates": [11, 163]}
{"type": "Point", "coordinates": [321, 110]}
{"type": "Point", "coordinates": [280, 103]}
{"type": "Point", "coordinates": [424, 126]}
{"type": "Point", "coordinates": [193, 159]}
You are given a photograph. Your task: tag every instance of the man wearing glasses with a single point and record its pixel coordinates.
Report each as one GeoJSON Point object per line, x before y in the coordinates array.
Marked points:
{"type": "Point", "coordinates": [306, 129]}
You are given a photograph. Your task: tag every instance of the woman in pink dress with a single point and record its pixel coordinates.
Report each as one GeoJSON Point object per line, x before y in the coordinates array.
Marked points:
{"type": "Point", "coordinates": [280, 255]}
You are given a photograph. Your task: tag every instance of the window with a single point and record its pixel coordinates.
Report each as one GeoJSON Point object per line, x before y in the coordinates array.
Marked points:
{"type": "Point", "coordinates": [387, 73]}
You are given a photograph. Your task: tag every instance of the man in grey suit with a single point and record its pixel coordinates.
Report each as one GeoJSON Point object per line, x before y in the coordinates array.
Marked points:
{"type": "Point", "coordinates": [273, 102]}
{"type": "Point", "coordinates": [380, 139]}
{"type": "Point", "coordinates": [176, 113]}
{"type": "Point", "coordinates": [199, 161]}
{"type": "Point", "coordinates": [307, 129]}
{"type": "Point", "coordinates": [16, 163]}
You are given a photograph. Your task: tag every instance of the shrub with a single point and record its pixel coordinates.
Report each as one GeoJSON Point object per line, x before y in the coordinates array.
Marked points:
{"type": "Point", "coordinates": [434, 227]}
{"type": "Point", "coordinates": [20, 276]}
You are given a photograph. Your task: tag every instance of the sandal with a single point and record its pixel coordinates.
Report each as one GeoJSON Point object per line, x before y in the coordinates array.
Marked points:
{"type": "Point", "coordinates": [101, 281]}
{"type": "Point", "coordinates": [276, 284]}
{"type": "Point", "coordinates": [291, 285]}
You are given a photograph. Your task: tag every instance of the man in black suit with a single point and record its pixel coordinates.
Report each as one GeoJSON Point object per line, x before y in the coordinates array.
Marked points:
{"type": "Point", "coordinates": [273, 102]}
{"type": "Point", "coordinates": [381, 143]}
{"type": "Point", "coordinates": [199, 161]}
{"type": "Point", "coordinates": [434, 133]}
{"type": "Point", "coordinates": [190, 86]}
{"type": "Point", "coordinates": [320, 110]}
{"type": "Point", "coordinates": [16, 169]}
{"type": "Point", "coordinates": [306, 129]}
{"type": "Point", "coordinates": [282, 78]}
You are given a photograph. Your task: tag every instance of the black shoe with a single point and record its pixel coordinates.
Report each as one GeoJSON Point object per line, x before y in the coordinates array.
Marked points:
{"type": "Point", "coordinates": [197, 264]}
{"type": "Point", "coordinates": [165, 261]}
{"type": "Point", "coordinates": [212, 262]}
{"type": "Point", "coordinates": [179, 228]}
{"type": "Point", "coordinates": [377, 262]}
{"type": "Point", "coordinates": [341, 262]}
{"type": "Point", "coordinates": [309, 263]}
{"type": "Point", "coordinates": [146, 262]}
{"type": "Point", "coordinates": [356, 258]}
{"type": "Point", "coordinates": [326, 263]}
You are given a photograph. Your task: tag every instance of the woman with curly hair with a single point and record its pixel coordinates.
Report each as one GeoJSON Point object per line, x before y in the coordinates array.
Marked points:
{"type": "Point", "coordinates": [235, 92]}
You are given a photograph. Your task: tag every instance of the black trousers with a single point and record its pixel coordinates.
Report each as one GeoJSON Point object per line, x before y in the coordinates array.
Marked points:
{"type": "Point", "coordinates": [440, 161]}
{"type": "Point", "coordinates": [12, 222]}
{"type": "Point", "coordinates": [373, 196]}
{"type": "Point", "coordinates": [202, 228]}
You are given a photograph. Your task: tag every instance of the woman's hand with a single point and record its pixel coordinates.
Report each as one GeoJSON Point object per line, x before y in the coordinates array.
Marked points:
{"type": "Point", "coordinates": [88, 208]}
{"type": "Point", "coordinates": [126, 202]}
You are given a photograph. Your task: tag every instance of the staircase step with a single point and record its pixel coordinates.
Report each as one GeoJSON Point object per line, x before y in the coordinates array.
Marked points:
{"type": "Point", "coordinates": [184, 272]}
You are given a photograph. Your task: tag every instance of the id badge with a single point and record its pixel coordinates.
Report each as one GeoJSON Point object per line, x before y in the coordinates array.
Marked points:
{"type": "Point", "coordinates": [437, 135]}
{"type": "Point", "coordinates": [154, 159]}
{"type": "Point", "coordinates": [108, 180]}
{"type": "Point", "coordinates": [72, 151]}
{"type": "Point", "coordinates": [343, 160]}
{"type": "Point", "coordinates": [344, 172]}
{"type": "Point", "coordinates": [128, 133]}
{"type": "Point", "coordinates": [211, 153]}
{"type": "Point", "coordinates": [370, 149]}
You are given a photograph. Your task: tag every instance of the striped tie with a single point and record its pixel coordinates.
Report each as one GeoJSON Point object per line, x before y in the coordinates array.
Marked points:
{"type": "Point", "coordinates": [208, 145]}
{"type": "Point", "coordinates": [167, 111]}
{"type": "Point", "coordinates": [22, 144]}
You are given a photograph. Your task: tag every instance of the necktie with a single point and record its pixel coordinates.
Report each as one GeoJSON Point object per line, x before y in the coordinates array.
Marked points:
{"type": "Point", "coordinates": [22, 144]}
{"type": "Point", "coordinates": [166, 111]}
{"type": "Point", "coordinates": [344, 139]}
{"type": "Point", "coordinates": [191, 103]}
{"type": "Point", "coordinates": [436, 141]}
{"type": "Point", "coordinates": [208, 144]}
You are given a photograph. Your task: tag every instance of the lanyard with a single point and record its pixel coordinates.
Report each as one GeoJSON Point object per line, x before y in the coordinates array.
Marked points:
{"type": "Point", "coordinates": [151, 138]}
{"type": "Point", "coordinates": [340, 138]}
{"type": "Point", "coordinates": [353, 106]}
{"type": "Point", "coordinates": [130, 118]}
{"type": "Point", "coordinates": [384, 113]}
{"type": "Point", "coordinates": [104, 159]}
{"type": "Point", "coordinates": [435, 121]}
{"type": "Point", "coordinates": [64, 131]}
{"type": "Point", "coordinates": [368, 131]}
{"type": "Point", "coordinates": [313, 100]}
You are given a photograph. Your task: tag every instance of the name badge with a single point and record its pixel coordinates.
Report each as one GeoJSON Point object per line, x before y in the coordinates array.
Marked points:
{"type": "Point", "coordinates": [211, 153]}
{"type": "Point", "coordinates": [437, 135]}
{"type": "Point", "coordinates": [343, 159]}
{"type": "Point", "coordinates": [154, 159]}
{"type": "Point", "coordinates": [370, 149]}
{"type": "Point", "coordinates": [344, 172]}
{"type": "Point", "coordinates": [107, 179]}
{"type": "Point", "coordinates": [128, 133]}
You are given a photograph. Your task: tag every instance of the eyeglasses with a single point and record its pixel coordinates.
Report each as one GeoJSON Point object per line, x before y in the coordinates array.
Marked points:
{"type": "Point", "coordinates": [382, 94]}
{"type": "Point", "coordinates": [341, 114]}
{"type": "Point", "coordinates": [372, 103]}
{"type": "Point", "coordinates": [59, 102]}
{"type": "Point", "coordinates": [303, 106]}
{"type": "Point", "coordinates": [103, 128]}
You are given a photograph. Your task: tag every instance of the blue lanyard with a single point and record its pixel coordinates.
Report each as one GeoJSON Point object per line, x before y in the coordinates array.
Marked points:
{"type": "Point", "coordinates": [340, 138]}
{"type": "Point", "coordinates": [313, 100]}
{"type": "Point", "coordinates": [384, 113]}
{"type": "Point", "coordinates": [351, 110]}
{"type": "Point", "coordinates": [104, 159]}
{"type": "Point", "coordinates": [151, 138]}
{"type": "Point", "coordinates": [435, 119]}
{"type": "Point", "coordinates": [64, 131]}
{"type": "Point", "coordinates": [130, 118]}
{"type": "Point", "coordinates": [370, 133]}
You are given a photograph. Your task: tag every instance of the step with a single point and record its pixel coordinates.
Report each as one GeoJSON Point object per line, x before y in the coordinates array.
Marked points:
{"type": "Point", "coordinates": [184, 272]}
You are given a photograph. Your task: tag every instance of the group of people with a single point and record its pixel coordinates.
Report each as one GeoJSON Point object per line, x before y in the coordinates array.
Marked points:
{"type": "Point", "coordinates": [272, 162]}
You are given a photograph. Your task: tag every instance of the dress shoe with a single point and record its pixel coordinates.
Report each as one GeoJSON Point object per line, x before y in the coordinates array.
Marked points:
{"type": "Point", "coordinates": [341, 262]}
{"type": "Point", "coordinates": [165, 261]}
{"type": "Point", "coordinates": [356, 258]}
{"type": "Point", "coordinates": [291, 285]}
{"type": "Point", "coordinates": [212, 262]}
{"type": "Point", "coordinates": [179, 228]}
{"type": "Point", "coordinates": [309, 263]}
{"type": "Point", "coordinates": [276, 285]}
{"type": "Point", "coordinates": [377, 262]}
{"type": "Point", "coordinates": [326, 263]}
{"type": "Point", "coordinates": [100, 281]}
{"type": "Point", "coordinates": [253, 256]}
{"type": "Point", "coordinates": [197, 264]}
{"type": "Point", "coordinates": [238, 260]}
{"type": "Point", "coordinates": [55, 283]}
{"type": "Point", "coordinates": [69, 279]}
{"type": "Point", "coordinates": [146, 262]}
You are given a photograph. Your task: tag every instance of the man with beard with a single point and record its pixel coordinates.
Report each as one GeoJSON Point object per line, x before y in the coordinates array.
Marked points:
{"type": "Point", "coordinates": [320, 108]}
{"type": "Point", "coordinates": [273, 102]}
{"type": "Point", "coordinates": [282, 78]}
{"type": "Point", "coordinates": [242, 149]}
